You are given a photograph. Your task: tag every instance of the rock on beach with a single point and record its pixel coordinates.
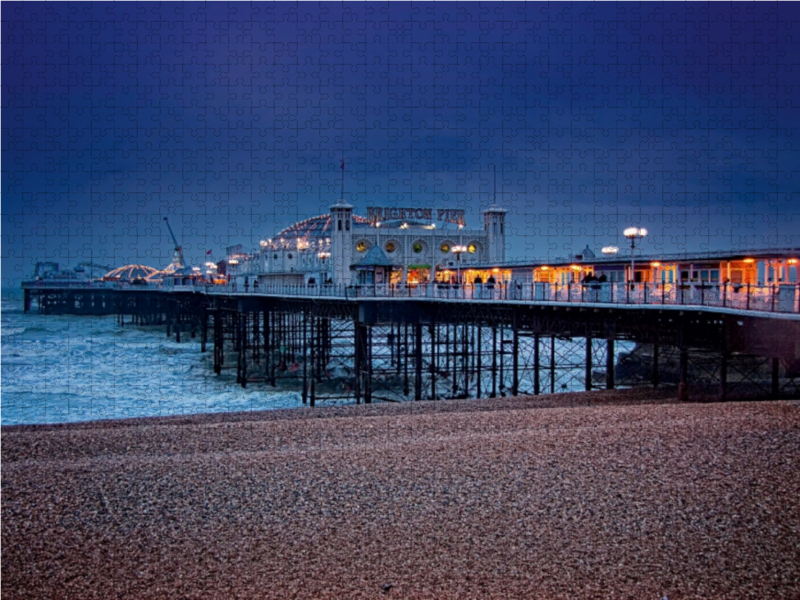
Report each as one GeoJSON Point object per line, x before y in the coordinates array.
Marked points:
{"type": "Point", "coordinates": [623, 494]}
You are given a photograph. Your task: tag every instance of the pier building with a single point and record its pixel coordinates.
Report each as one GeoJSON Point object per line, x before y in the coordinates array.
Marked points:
{"type": "Point", "coordinates": [390, 246]}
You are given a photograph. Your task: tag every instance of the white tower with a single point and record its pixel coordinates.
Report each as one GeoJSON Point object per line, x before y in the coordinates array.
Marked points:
{"type": "Point", "coordinates": [494, 223]}
{"type": "Point", "coordinates": [341, 241]}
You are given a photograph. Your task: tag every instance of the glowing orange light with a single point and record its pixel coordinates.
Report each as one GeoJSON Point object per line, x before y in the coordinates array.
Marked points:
{"type": "Point", "coordinates": [575, 267]}
{"type": "Point", "coordinates": [749, 260]}
{"type": "Point", "coordinates": [792, 261]}
{"type": "Point", "coordinates": [655, 263]}
{"type": "Point", "coordinates": [545, 268]}
{"type": "Point", "coordinates": [495, 270]}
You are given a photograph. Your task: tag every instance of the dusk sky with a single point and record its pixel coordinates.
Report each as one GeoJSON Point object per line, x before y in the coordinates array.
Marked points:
{"type": "Point", "coordinates": [232, 119]}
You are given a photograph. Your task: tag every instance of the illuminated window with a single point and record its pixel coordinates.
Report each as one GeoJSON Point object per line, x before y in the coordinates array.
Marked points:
{"type": "Point", "coordinates": [361, 246]}
{"type": "Point", "coordinates": [471, 248]}
{"type": "Point", "coordinates": [390, 247]}
{"type": "Point", "coordinates": [445, 248]}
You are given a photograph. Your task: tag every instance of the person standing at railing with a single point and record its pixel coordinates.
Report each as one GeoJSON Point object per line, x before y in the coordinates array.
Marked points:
{"type": "Point", "coordinates": [478, 287]}
{"type": "Point", "coordinates": [490, 286]}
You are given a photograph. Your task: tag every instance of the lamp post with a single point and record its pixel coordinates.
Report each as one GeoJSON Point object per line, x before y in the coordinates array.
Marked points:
{"type": "Point", "coordinates": [633, 234]}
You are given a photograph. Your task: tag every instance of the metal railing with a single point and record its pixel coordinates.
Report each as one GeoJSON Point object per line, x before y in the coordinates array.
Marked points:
{"type": "Point", "coordinates": [774, 298]}
{"type": "Point", "coordinates": [781, 298]}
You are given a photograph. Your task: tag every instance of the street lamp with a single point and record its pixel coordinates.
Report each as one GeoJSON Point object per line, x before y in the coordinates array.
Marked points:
{"type": "Point", "coordinates": [458, 250]}
{"type": "Point", "coordinates": [633, 234]}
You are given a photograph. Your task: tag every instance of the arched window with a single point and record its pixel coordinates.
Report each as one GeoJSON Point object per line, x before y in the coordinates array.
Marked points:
{"type": "Point", "coordinates": [347, 224]}
{"type": "Point", "coordinates": [340, 224]}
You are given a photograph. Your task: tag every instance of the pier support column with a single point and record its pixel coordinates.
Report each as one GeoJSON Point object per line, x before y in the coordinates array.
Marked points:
{"type": "Point", "coordinates": [515, 358]}
{"type": "Point", "coordinates": [552, 364]}
{"type": "Point", "coordinates": [494, 361]}
{"type": "Point", "coordinates": [406, 354]}
{"type": "Point", "coordinates": [368, 379]}
{"type": "Point", "coordinates": [270, 345]}
{"type": "Point", "coordinates": [304, 355]}
{"type": "Point", "coordinates": [256, 335]}
{"type": "Point", "coordinates": [478, 361]}
{"type": "Point", "coordinates": [723, 376]}
{"type": "Point", "coordinates": [683, 367]}
{"type": "Point", "coordinates": [204, 334]}
{"type": "Point", "coordinates": [241, 334]}
{"type": "Point", "coordinates": [418, 361]}
{"type": "Point", "coordinates": [536, 364]}
{"type": "Point", "coordinates": [656, 373]}
{"type": "Point", "coordinates": [588, 373]}
{"type": "Point", "coordinates": [610, 356]}
{"type": "Point", "coordinates": [360, 358]}
{"type": "Point", "coordinates": [218, 341]}
{"type": "Point", "coordinates": [775, 387]}
{"type": "Point", "coordinates": [434, 358]}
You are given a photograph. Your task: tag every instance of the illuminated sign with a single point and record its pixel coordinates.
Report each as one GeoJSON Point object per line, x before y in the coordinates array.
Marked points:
{"type": "Point", "coordinates": [449, 215]}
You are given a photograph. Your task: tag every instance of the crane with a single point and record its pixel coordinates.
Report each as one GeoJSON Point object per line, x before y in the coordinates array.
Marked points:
{"type": "Point", "coordinates": [178, 257]}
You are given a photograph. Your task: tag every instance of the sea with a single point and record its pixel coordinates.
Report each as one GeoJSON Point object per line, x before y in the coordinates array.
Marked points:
{"type": "Point", "coordinates": [67, 368]}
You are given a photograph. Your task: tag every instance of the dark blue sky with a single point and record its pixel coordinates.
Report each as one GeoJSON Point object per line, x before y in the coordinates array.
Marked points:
{"type": "Point", "coordinates": [231, 119]}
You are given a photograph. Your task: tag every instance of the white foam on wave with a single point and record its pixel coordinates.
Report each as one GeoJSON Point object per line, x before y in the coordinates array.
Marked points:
{"type": "Point", "coordinates": [57, 369]}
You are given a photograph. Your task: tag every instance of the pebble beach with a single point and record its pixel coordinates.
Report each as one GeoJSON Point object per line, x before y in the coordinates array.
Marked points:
{"type": "Point", "coordinates": [610, 494]}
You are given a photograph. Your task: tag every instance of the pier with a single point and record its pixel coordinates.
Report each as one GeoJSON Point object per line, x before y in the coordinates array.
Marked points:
{"type": "Point", "coordinates": [395, 343]}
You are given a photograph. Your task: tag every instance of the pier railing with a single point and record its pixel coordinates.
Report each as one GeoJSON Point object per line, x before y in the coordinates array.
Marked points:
{"type": "Point", "coordinates": [772, 298]}
{"type": "Point", "coordinates": [778, 298]}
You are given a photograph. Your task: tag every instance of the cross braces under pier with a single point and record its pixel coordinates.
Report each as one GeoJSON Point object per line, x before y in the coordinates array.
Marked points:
{"type": "Point", "coordinates": [416, 349]}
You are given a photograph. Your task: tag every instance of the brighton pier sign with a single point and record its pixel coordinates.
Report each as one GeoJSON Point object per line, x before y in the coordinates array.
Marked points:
{"type": "Point", "coordinates": [448, 215]}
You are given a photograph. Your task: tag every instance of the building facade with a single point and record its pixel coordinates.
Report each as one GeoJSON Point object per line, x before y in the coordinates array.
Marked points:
{"type": "Point", "coordinates": [389, 246]}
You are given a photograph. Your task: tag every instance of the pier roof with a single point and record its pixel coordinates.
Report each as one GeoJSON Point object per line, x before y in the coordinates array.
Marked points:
{"type": "Point", "coordinates": [625, 257]}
